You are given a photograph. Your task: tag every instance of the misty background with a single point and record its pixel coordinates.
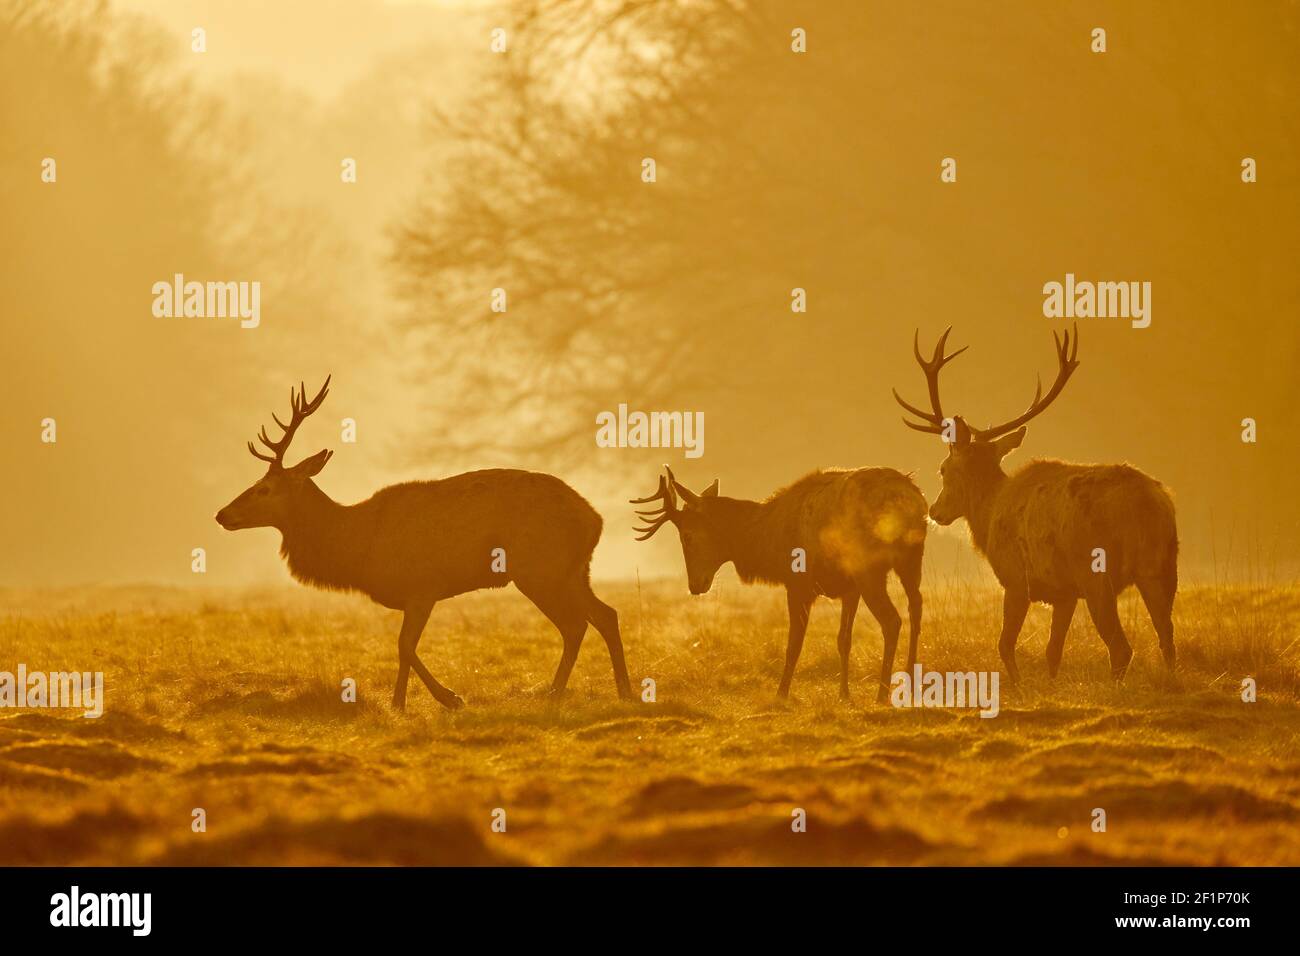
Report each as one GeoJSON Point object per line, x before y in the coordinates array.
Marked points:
{"type": "Point", "coordinates": [522, 171]}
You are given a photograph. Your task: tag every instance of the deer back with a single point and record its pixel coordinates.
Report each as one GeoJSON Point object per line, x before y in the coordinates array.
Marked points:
{"type": "Point", "coordinates": [436, 539]}
{"type": "Point", "coordinates": [1049, 518]}
{"type": "Point", "coordinates": [845, 520]}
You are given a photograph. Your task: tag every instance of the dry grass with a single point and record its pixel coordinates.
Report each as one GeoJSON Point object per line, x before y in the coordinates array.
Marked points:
{"type": "Point", "coordinates": [232, 703]}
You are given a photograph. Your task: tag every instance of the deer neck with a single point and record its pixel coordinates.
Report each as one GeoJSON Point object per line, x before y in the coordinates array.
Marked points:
{"type": "Point", "coordinates": [979, 511]}
{"type": "Point", "coordinates": [319, 543]}
{"type": "Point", "coordinates": [751, 546]}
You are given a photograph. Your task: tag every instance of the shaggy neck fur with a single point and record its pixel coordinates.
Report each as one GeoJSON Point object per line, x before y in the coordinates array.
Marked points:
{"type": "Point", "coordinates": [320, 543]}
{"type": "Point", "coordinates": [979, 509]}
{"type": "Point", "coordinates": [754, 538]}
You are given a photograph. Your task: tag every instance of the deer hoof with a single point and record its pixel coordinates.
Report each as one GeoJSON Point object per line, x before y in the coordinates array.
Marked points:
{"type": "Point", "coordinates": [453, 702]}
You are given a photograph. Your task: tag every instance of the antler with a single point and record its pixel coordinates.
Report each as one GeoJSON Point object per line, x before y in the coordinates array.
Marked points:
{"type": "Point", "coordinates": [300, 408]}
{"type": "Point", "coordinates": [933, 418]}
{"type": "Point", "coordinates": [658, 517]}
{"type": "Point", "coordinates": [1066, 364]}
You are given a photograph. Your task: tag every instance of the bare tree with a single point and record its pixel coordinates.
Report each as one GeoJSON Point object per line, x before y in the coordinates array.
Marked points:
{"type": "Point", "coordinates": [616, 287]}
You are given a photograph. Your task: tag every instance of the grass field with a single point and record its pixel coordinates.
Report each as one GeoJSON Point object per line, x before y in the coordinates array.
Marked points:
{"type": "Point", "coordinates": [233, 703]}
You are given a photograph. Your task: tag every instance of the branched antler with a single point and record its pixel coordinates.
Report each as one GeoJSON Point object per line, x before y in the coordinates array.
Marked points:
{"type": "Point", "coordinates": [1067, 350]}
{"type": "Point", "coordinates": [934, 418]}
{"type": "Point", "coordinates": [658, 517]}
{"type": "Point", "coordinates": [299, 408]}
{"type": "Point", "coordinates": [1066, 363]}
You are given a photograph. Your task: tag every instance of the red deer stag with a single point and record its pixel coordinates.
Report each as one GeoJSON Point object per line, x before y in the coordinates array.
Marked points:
{"type": "Point", "coordinates": [1040, 527]}
{"type": "Point", "coordinates": [852, 527]}
{"type": "Point", "coordinates": [411, 545]}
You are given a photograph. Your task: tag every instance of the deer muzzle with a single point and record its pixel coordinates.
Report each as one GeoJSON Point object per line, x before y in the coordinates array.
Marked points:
{"type": "Point", "coordinates": [941, 513]}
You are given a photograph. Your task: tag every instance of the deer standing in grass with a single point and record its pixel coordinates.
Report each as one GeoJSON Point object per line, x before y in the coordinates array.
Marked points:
{"type": "Point", "coordinates": [1040, 526]}
{"type": "Point", "coordinates": [852, 526]}
{"type": "Point", "coordinates": [411, 545]}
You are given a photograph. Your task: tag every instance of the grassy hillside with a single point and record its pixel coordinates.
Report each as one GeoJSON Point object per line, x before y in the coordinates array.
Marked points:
{"type": "Point", "coordinates": [232, 703]}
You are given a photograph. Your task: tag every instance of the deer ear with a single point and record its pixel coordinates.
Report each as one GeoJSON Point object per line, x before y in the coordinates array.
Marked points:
{"type": "Point", "coordinates": [711, 491]}
{"type": "Point", "coordinates": [962, 435]}
{"type": "Point", "coordinates": [1009, 443]}
{"type": "Point", "coordinates": [684, 493]}
{"type": "Point", "coordinates": [309, 467]}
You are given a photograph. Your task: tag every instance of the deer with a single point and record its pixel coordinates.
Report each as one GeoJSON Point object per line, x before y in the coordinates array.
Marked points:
{"type": "Point", "coordinates": [853, 527]}
{"type": "Point", "coordinates": [1053, 531]}
{"type": "Point", "coordinates": [414, 544]}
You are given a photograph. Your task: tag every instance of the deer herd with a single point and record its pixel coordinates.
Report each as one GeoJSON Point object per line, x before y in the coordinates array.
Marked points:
{"type": "Point", "coordinates": [1052, 532]}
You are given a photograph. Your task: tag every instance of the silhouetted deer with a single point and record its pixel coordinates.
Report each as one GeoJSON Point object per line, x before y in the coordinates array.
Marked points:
{"type": "Point", "coordinates": [853, 527]}
{"type": "Point", "coordinates": [411, 545]}
{"type": "Point", "coordinates": [1040, 526]}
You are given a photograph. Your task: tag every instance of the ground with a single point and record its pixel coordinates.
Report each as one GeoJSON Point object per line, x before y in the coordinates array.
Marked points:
{"type": "Point", "coordinates": [232, 702]}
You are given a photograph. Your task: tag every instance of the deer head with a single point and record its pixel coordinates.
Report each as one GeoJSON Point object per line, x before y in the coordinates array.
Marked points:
{"type": "Point", "coordinates": [269, 500]}
{"type": "Point", "coordinates": [697, 524]}
{"type": "Point", "coordinates": [974, 462]}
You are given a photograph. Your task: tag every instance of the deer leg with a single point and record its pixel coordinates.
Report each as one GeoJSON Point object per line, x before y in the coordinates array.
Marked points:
{"type": "Point", "coordinates": [1105, 614]}
{"type": "Point", "coordinates": [1159, 599]}
{"type": "Point", "coordinates": [571, 623]}
{"type": "Point", "coordinates": [1015, 605]}
{"type": "Point", "coordinates": [573, 632]}
{"type": "Point", "coordinates": [442, 695]}
{"type": "Point", "coordinates": [413, 620]}
{"type": "Point", "coordinates": [876, 597]}
{"type": "Point", "coordinates": [605, 620]}
{"type": "Point", "coordinates": [565, 611]}
{"type": "Point", "coordinates": [909, 573]}
{"type": "Point", "coordinates": [1062, 614]}
{"type": "Point", "coordinates": [848, 611]}
{"type": "Point", "coordinates": [799, 605]}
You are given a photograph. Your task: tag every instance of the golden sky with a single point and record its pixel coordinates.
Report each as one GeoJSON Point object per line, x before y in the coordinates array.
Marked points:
{"type": "Point", "coordinates": [1122, 166]}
